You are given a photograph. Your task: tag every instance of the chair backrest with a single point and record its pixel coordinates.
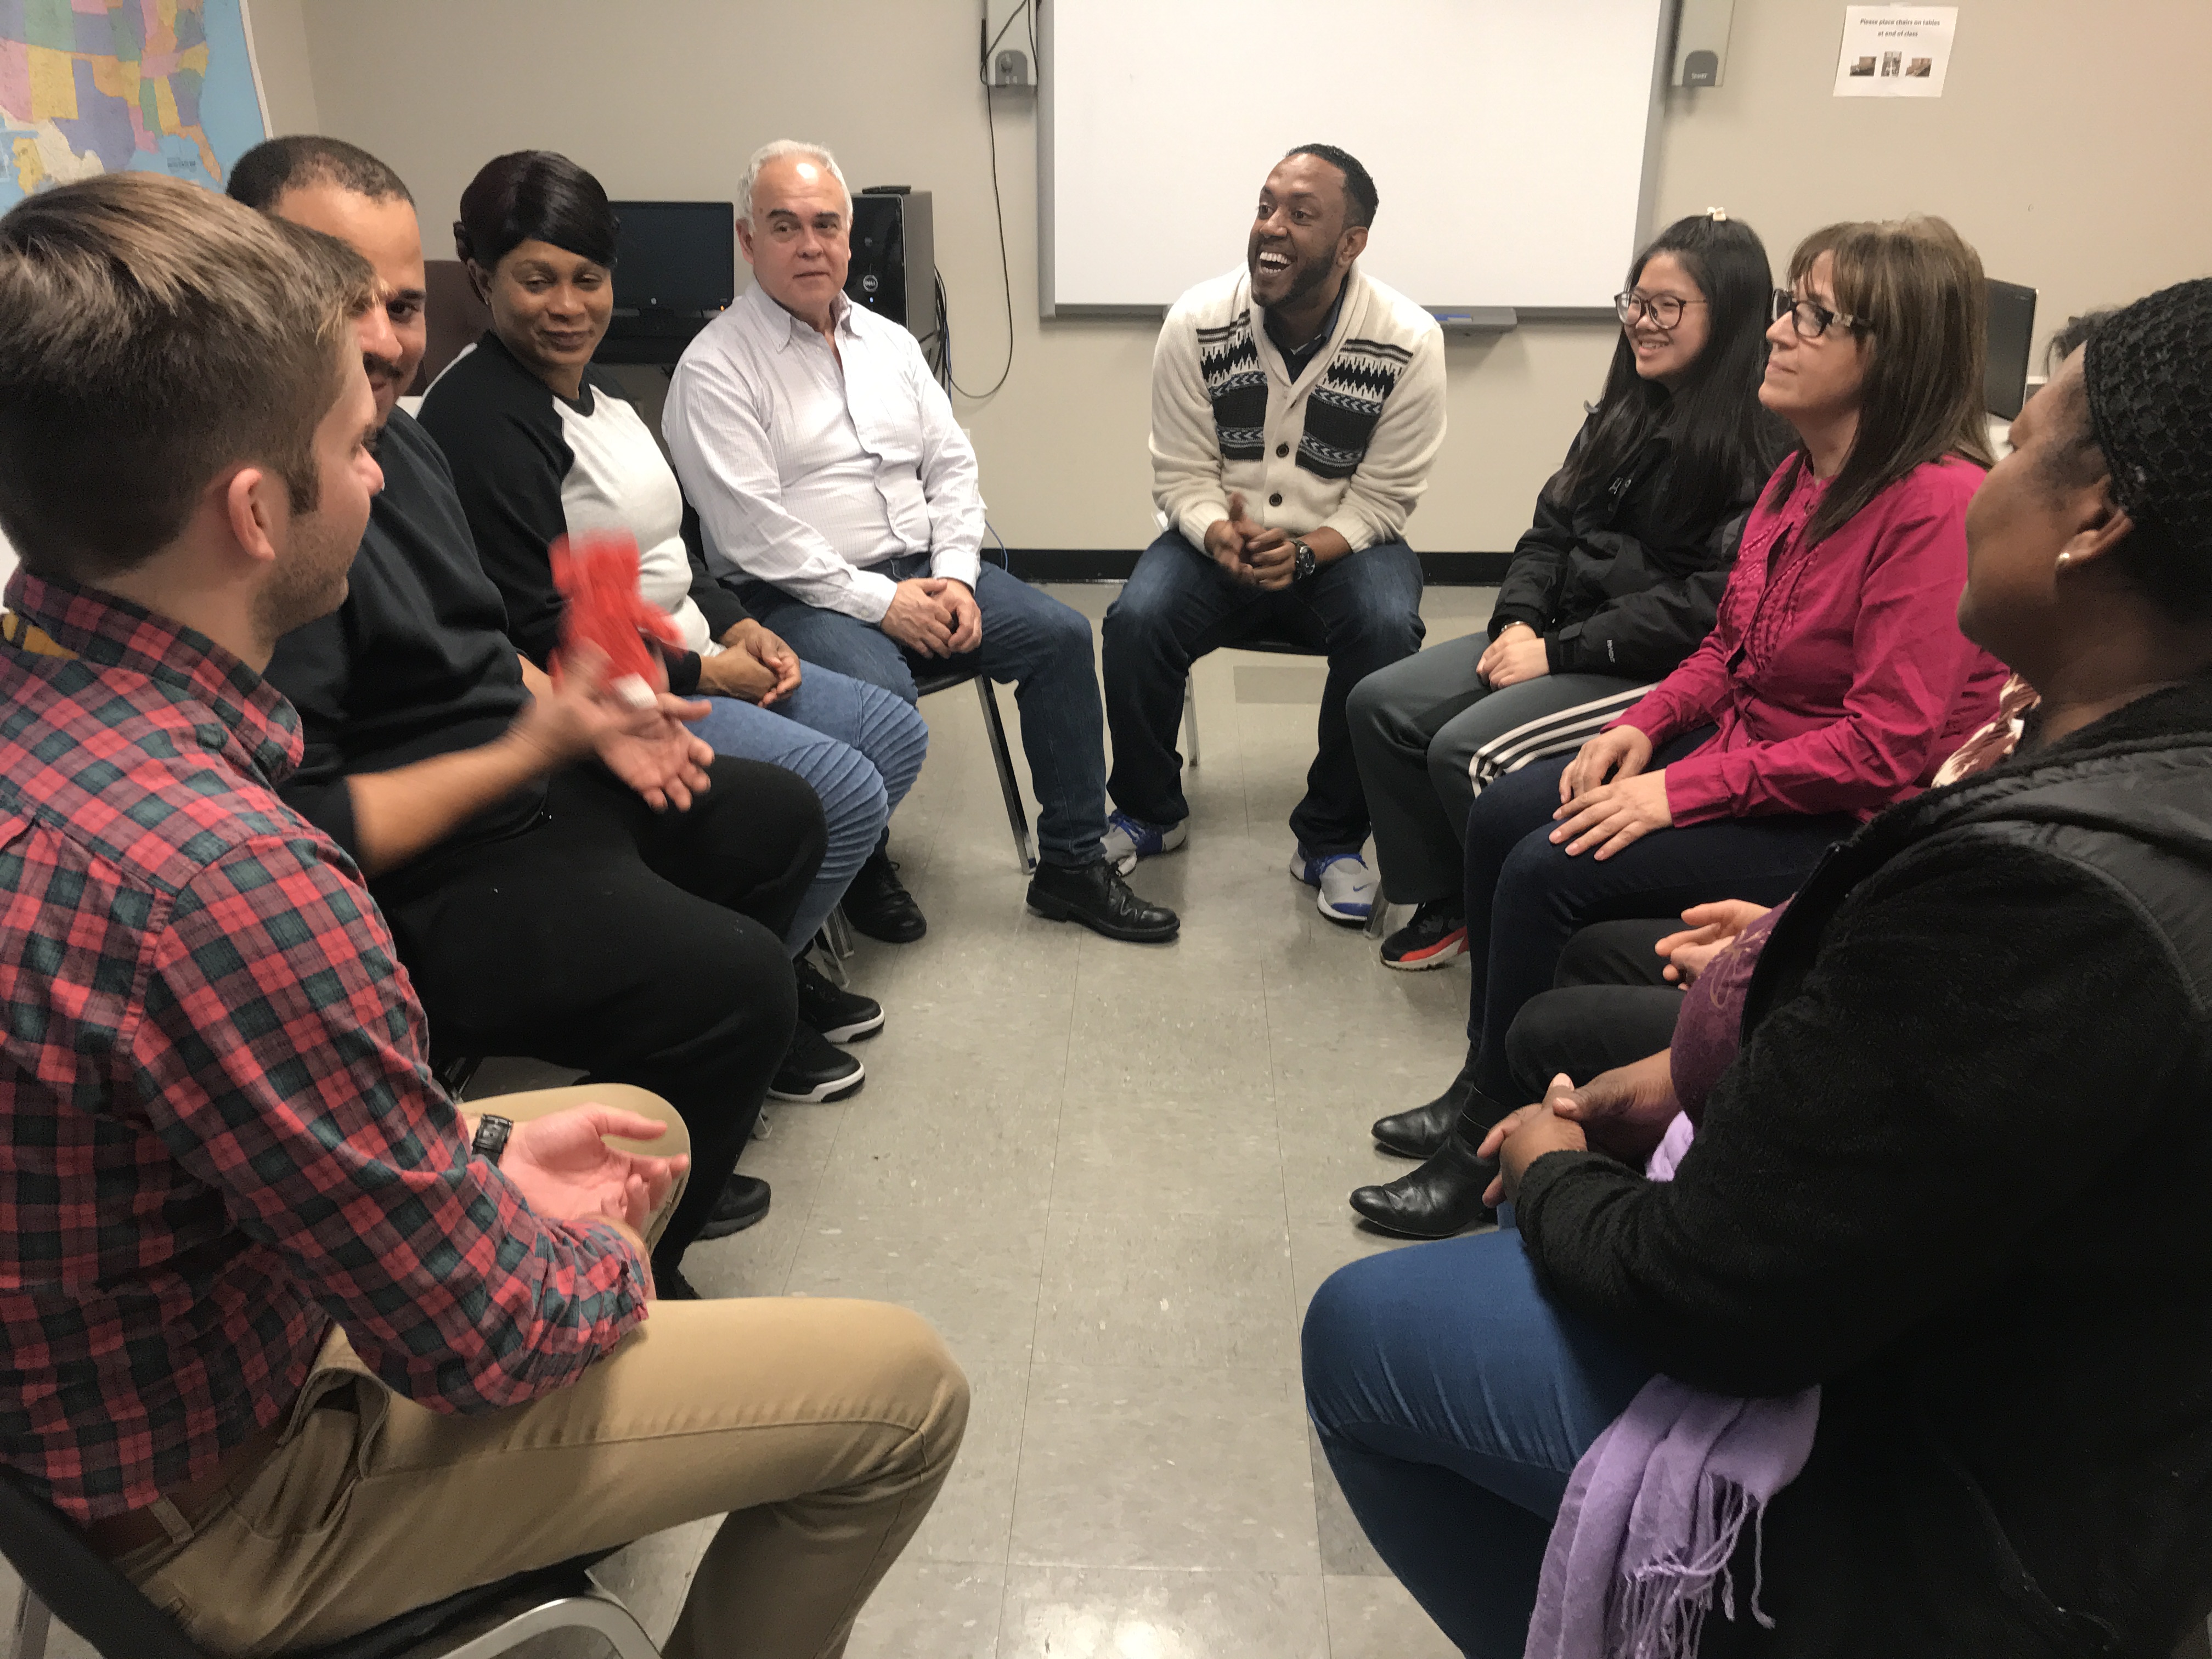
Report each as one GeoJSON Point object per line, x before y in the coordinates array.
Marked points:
{"type": "Point", "coordinates": [83, 1589]}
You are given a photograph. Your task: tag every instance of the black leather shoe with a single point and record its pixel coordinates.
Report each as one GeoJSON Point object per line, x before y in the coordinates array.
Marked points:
{"type": "Point", "coordinates": [1095, 894]}
{"type": "Point", "coordinates": [670, 1285]}
{"type": "Point", "coordinates": [879, 905]}
{"type": "Point", "coordinates": [1420, 1133]}
{"type": "Point", "coordinates": [743, 1201]}
{"type": "Point", "coordinates": [815, 1070]}
{"type": "Point", "coordinates": [840, 1016]}
{"type": "Point", "coordinates": [1441, 1198]}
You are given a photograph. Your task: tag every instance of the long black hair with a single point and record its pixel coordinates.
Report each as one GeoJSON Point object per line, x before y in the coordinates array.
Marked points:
{"type": "Point", "coordinates": [1725, 442]}
{"type": "Point", "coordinates": [534, 195]}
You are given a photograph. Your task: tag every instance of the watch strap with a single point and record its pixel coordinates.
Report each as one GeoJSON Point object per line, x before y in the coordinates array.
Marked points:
{"type": "Point", "coordinates": [492, 1132]}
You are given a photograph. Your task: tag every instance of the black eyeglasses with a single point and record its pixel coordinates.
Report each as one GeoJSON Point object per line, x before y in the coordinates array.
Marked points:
{"type": "Point", "coordinates": [1809, 317]}
{"type": "Point", "coordinates": [1664, 310]}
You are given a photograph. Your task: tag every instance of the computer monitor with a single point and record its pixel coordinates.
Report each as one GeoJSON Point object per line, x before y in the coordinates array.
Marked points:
{"type": "Point", "coordinates": [2012, 332]}
{"type": "Point", "coordinates": [674, 269]}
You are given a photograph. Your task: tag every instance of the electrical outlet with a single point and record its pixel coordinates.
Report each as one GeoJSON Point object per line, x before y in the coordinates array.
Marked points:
{"type": "Point", "coordinates": [1011, 68]}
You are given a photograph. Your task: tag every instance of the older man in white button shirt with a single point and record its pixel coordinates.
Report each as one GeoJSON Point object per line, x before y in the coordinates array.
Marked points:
{"type": "Point", "coordinates": [839, 495]}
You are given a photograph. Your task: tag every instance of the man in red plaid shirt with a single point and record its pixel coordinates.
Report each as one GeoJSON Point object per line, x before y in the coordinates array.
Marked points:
{"type": "Point", "coordinates": [297, 1344]}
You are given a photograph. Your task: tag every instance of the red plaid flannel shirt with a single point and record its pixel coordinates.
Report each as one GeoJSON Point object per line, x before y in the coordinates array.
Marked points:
{"type": "Point", "coordinates": [222, 1129]}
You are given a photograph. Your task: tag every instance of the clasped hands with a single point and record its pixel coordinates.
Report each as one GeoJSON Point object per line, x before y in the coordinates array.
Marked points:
{"type": "Point", "coordinates": [1518, 653]}
{"type": "Point", "coordinates": [1610, 815]}
{"type": "Point", "coordinates": [1623, 1113]}
{"type": "Point", "coordinates": [754, 666]}
{"type": "Point", "coordinates": [1259, 558]}
{"type": "Point", "coordinates": [936, 616]}
{"type": "Point", "coordinates": [564, 1169]}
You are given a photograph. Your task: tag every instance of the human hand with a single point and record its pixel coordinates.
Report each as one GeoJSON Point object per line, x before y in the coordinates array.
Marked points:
{"type": "Point", "coordinates": [1270, 560]}
{"type": "Point", "coordinates": [1494, 653]}
{"type": "Point", "coordinates": [1622, 751]}
{"type": "Point", "coordinates": [919, 619]}
{"type": "Point", "coordinates": [736, 673]}
{"type": "Point", "coordinates": [769, 650]}
{"type": "Point", "coordinates": [1615, 815]}
{"type": "Point", "coordinates": [1712, 929]}
{"type": "Point", "coordinates": [967, 615]}
{"type": "Point", "coordinates": [1224, 539]}
{"type": "Point", "coordinates": [1509, 661]}
{"type": "Point", "coordinates": [664, 761]}
{"type": "Point", "coordinates": [1527, 1135]}
{"type": "Point", "coordinates": [565, 722]}
{"type": "Point", "coordinates": [1624, 1112]}
{"type": "Point", "coordinates": [563, 1167]}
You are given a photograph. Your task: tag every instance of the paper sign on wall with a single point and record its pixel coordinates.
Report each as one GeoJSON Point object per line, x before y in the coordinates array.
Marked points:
{"type": "Point", "coordinates": [1895, 51]}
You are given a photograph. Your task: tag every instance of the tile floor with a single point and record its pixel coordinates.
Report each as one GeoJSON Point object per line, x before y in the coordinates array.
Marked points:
{"type": "Point", "coordinates": [1112, 1175]}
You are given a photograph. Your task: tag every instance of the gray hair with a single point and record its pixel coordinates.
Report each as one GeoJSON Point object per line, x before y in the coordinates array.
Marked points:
{"type": "Point", "coordinates": [776, 152]}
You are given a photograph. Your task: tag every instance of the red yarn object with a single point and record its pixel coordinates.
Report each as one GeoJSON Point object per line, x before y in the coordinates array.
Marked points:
{"type": "Point", "coordinates": [596, 574]}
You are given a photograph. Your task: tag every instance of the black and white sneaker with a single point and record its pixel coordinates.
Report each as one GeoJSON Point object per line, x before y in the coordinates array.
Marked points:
{"type": "Point", "coordinates": [840, 1016]}
{"type": "Point", "coordinates": [815, 1070]}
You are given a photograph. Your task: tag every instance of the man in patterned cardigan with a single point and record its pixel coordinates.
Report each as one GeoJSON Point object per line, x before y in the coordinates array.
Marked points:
{"type": "Point", "coordinates": [1296, 405]}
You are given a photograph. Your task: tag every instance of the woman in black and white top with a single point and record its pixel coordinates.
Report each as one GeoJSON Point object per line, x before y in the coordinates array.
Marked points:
{"type": "Point", "coordinates": [543, 445]}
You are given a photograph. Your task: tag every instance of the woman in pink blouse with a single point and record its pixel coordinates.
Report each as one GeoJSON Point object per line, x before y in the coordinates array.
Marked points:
{"type": "Point", "coordinates": [1833, 684]}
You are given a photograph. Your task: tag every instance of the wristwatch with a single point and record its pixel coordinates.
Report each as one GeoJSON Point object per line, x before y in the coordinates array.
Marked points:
{"type": "Point", "coordinates": [492, 1131]}
{"type": "Point", "coordinates": [1303, 562]}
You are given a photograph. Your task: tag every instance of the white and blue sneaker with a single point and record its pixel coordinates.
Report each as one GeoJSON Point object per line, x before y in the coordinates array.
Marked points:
{"type": "Point", "coordinates": [1128, 839]}
{"type": "Point", "coordinates": [1347, 885]}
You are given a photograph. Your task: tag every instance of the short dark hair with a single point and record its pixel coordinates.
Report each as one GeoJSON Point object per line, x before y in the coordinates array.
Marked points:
{"type": "Point", "coordinates": [1359, 198]}
{"type": "Point", "coordinates": [152, 335]}
{"type": "Point", "coordinates": [534, 195]}
{"type": "Point", "coordinates": [262, 175]}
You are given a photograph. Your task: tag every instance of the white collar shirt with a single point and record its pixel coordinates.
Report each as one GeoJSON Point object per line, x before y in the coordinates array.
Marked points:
{"type": "Point", "coordinates": [811, 467]}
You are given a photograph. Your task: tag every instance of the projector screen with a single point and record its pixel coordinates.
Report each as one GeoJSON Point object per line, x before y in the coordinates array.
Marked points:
{"type": "Point", "coordinates": [1509, 141]}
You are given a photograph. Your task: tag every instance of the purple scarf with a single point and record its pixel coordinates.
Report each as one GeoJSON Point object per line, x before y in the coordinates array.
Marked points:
{"type": "Point", "coordinates": [1656, 1506]}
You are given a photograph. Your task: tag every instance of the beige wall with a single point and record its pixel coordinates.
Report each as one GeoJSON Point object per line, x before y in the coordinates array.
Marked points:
{"type": "Point", "coordinates": [280, 46]}
{"type": "Point", "coordinates": [2069, 150]}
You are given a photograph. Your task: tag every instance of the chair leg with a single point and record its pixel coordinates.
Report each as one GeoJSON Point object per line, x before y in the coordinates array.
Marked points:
{"type": "Point", "coordinates": [1190, 719]}
{"type": "Point", "coordinates": [841, 935]}
{"type": "Point", "coordinates": [1017, 817]}
{"type": "Point", "coordinates": [1378, 918]}
{"type": "Point", "coordinates": [32, 1622]}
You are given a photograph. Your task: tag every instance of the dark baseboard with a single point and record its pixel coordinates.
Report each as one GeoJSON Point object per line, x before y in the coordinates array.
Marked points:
{"type": "Point", "coordinates": [1087, 564]}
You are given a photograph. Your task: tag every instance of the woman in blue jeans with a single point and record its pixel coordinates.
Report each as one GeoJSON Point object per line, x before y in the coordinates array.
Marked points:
{"type": "Point", "coordinates": [544, 446]}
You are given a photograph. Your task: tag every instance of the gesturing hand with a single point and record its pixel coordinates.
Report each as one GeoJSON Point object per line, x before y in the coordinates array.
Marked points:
{"type": "Point", "coordinates": [664, 760]}
{"type": "Point", "coordinates": [919, 618]}
{"type": "Point", "coordinates": [645, 745]}
{"type": "Point", "coordinates": [1224, 539]}
{"type": "Point", "coordinates": [1712, 929]}
{"type": "Point", "coordinates": [561, 1163]}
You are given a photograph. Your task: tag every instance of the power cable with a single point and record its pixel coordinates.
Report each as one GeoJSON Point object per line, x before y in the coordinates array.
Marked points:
{"type": "Point", "coordinates": [1006, 270]}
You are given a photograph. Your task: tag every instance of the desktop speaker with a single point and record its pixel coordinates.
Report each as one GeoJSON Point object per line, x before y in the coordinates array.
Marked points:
{"type": "Point", "coordinates": [894, 269]}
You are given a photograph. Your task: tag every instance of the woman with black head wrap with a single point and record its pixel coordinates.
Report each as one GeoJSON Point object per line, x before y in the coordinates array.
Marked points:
{"type": "Point", "coordinates": [1954, 1180]}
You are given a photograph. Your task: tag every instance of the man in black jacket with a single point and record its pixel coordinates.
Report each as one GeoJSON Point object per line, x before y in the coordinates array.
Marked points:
{"type": "Point", "coordinates": [1955, 1177]}
{"type": "Point", "coordinates": [565, 878]}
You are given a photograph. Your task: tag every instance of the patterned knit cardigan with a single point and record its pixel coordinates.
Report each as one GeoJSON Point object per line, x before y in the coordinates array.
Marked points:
{"type": "Point", "coordinates": [1347, 445]}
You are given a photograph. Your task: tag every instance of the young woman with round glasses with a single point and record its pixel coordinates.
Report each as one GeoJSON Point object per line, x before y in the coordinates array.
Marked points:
{"type": "Point", "coordinates": [1833, 684]}
{"type": "Point", "coordinates": [1611, 587]}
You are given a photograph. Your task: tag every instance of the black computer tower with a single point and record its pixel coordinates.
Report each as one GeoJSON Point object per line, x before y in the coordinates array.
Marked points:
{"type": "Point", "coordinates": [894, 270]}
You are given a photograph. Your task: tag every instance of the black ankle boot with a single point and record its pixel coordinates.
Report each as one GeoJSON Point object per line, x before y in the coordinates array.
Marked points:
{"type": "Point", "coordinates": [1420, 1133]}
{"type": "Point", "coordinates": [1441, 1198]}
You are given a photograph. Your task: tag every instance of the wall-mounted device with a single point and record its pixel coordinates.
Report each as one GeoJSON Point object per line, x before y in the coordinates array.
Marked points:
{"type": "Point", "coordinates": [2011, 333]}
{"type": "Point", "coordinates": [894, 269]}
{"type": "Point", "coordinates": [676, 268]}
{"type": "Point", "coordinates": [1701, 37]}
{"type": "Point", "coordinates": [1011, 68]}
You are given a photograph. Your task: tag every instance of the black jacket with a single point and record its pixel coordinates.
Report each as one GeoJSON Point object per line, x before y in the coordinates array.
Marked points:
{"type": "Point", "coordinates": [1961, 1177]}
{"type": "Point", "coordinates": [415, 663]}
{"type": "Point", "coordinates": [1616, 587]}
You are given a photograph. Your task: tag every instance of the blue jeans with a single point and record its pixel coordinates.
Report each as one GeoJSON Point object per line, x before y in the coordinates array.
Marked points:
{"type": "Point", "coordinates": [1029, 638]}
{"type": "Point", "coordinates": [1525, 898]}
{"type": "Point", "coordinates": [859, 747]}
{"type": "Point", "coordinates": [1364, 612]}
{"type": "Point", "coordinates": [1454, 1401]}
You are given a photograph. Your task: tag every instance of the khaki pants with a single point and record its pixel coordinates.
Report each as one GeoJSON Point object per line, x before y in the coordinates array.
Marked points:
{"type": "Point", "coordinates": [822, 1430]}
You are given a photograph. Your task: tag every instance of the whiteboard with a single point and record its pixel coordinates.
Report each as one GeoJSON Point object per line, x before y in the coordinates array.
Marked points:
{"type": "Point", "coordinates": [1510, 141]}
